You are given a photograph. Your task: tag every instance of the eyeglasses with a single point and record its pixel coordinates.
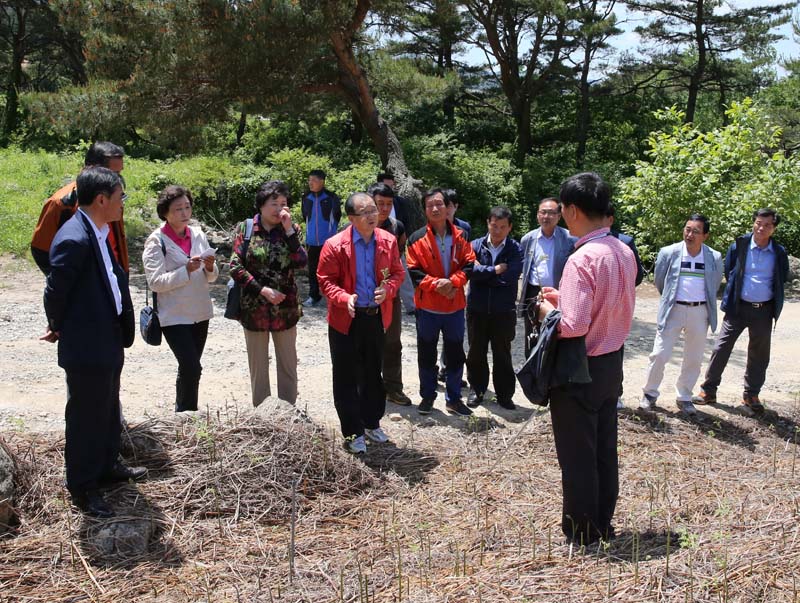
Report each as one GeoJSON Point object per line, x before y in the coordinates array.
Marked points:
{"type": "Point", "coordinates": [124, 197]}
{"type": "Point", "coordinates": [367, 212]}
{"type": "Point", "coordinates": [547, 212]}
{"type": "Point", "coordinates": [693, 231]}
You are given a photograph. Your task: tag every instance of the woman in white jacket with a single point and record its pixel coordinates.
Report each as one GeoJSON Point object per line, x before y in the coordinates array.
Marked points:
{"type": "Point", "coordinates": [179, 265]}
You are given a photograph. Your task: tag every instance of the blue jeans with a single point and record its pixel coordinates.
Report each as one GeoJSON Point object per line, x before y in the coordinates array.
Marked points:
{"type": "Point", "coordinates": [451, 326]}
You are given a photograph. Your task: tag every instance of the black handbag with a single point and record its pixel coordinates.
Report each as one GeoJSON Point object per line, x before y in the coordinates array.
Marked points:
{"type": "Point", "coordinates": [149, 325]}
{"type": "Point", "coordinates": [233, 303]}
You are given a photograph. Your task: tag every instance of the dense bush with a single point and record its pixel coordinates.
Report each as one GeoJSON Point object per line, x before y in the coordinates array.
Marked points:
{"type": "Point", "coordinates": [725, 174]}
{"type": "Point", "coordinates": [482, 178]}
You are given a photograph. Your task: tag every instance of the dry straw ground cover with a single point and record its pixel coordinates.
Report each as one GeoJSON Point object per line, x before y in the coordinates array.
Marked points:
{"type": "Point", "coordinates": [267, 507]}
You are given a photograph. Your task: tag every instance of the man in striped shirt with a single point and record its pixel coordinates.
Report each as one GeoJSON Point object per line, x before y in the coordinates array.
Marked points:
{"type": "Point", "coordinates": [596, 299]}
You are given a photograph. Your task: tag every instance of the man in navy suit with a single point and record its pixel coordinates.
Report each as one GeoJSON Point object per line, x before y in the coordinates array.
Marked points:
{"type": "Point", "coordinates": [90, 314]}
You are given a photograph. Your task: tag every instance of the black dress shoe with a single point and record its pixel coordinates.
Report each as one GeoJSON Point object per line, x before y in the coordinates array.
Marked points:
{"type": "Point", "coordinates": [506, 403]}
{"type": "Point", "coordinates": [474, 400]}
{"type": "Point", "coordinates": [123, 473]}
{"type": "Point", "coordinates": [93, 503]}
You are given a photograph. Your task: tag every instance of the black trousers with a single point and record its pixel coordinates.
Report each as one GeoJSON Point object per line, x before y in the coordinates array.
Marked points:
{"type": "Point", "coordinates": [758, 322]}
{"type": "Point", "coordinates": [393, 351]}
{"type": "Point", "coordinates": [187, 343]}
{"type": "Point", "coordinates": [92, 426]}
{"type": "Point", "coordinates": [585, 432]}
{"type": "Point", "coordinates": [531, 291]}
{"type": "Point", "coordinates": [497, 330]}
{"type": "Point", "coordinates": [358, 393]}
{"type": "Point", "coordinates": [313, 252]}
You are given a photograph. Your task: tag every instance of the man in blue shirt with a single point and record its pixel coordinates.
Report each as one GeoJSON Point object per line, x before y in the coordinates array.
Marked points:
{"type": "Point", "coordinates": [321, 211]}
{"type": "Point", "coordinates": [756, 268]}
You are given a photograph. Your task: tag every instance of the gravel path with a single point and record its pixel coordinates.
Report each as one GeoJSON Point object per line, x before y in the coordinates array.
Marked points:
{"type": "Point", "coordinates": [32, 390]}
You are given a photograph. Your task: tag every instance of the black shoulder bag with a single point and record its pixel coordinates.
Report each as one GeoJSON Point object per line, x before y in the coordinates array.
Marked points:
{"type": "Point", "coordinates": [234, 302]}
{"type": "Point", "coordinates": [149, 326]}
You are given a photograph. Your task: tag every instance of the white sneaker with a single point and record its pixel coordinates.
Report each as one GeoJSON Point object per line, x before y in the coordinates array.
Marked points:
{"type": "Point", "coordinates": [687, 407]}
{"type": "Point", "coordinates": [357, 445]}
{"type": "Point", "coordinates": [377, 435]}
{"type": "Point", "coordinates": [620, 403]}
{"type": "Point", "coordinates": [309, 302]}
{"type": "Point", "coordinates": [647, 402]}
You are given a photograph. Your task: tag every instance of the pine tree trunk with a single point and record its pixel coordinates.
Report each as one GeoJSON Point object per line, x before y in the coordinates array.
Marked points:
{"type": "Point", "coordinates": [522, 121]}
{"type": "Point", "coordinates": [355, 89]}
{"type": "Point", "coordinates": [14, 80]}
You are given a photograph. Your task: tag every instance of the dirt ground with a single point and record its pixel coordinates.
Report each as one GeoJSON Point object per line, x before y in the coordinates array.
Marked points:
{"type": "Point", "coordinates": [32, 389]}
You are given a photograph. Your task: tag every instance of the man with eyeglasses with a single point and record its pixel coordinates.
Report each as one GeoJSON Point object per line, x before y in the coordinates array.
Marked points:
{"type": "Point", "coordinates": [90, 315]}
{"type": "Point", "coordinates": [756, 268]}
{"type": "Point", "coordinates": [687, 275]}
{"type": "Point", "coordinates": [359, 273]}
{"type": "Point", "coordinates": [544, 251]}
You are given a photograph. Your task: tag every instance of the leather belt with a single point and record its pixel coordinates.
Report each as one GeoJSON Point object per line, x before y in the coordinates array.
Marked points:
{"type": "Point", "coordinates": [757, 304]}
{"type": "Point", "coordinates": [683, 303]}
{"type": "Point", "coordinates": [368, 311]}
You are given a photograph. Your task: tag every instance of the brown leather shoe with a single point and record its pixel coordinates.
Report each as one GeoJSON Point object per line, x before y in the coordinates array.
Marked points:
{"type": "Point", "coordinates": [704, 398]}
{"type": "Point", "coordinates": [753, 403]}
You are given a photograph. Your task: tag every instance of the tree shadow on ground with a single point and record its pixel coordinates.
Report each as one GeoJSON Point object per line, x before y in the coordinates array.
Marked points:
{"type": "Point", "coordinates": [786, 428]}
{"type": "Point", "coordinates": [410, 464]}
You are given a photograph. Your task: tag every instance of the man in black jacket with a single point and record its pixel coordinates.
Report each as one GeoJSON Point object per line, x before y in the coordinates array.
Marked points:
{"type": "Point", "coordinates": [756, 268]}
{"type": "Point", "coordinates": [491, 310]}
{"type": "Point", "coordinates": [90, 314]}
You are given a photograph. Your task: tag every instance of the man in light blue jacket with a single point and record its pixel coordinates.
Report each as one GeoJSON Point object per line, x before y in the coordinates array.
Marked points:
{"type": "Point", "coordinates": [687, 275]}
{"type": "Point", "coordinates": [544, 252]}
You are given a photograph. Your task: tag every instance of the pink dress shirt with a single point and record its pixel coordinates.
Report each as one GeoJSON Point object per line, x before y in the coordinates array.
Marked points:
{"type": "Point", "coordinates": [597, 293]}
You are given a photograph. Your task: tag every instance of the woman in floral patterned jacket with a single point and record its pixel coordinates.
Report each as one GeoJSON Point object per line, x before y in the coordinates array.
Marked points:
{"type": "Point", "coordinates": [269, 302]}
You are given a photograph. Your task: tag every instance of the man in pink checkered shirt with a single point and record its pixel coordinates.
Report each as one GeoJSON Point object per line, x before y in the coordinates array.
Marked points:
{"type": "Point", "coordinates": [596, 298]}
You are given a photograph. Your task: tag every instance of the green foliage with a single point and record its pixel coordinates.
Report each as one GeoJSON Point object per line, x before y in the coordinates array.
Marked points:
{"type": "Point", "coordinates": [483, 178]}
{"type": "Point", "coordinates": [725, 174]}
{"type": "Point", "coordinates": [28, 178]}
{"type": "Point", "coordinates": [223, 188]}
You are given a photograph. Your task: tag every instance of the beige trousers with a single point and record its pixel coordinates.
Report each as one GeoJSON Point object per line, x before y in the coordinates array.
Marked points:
{"type": "Point", "coordinates": [286, 360]}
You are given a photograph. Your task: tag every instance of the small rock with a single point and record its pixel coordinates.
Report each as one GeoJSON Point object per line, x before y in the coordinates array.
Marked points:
{"type": "Point", "coordinates": [395, 416]}
{"type": "Point", "coordinates": [7, 489]}
{"type": "Point", "coordinates": [122, 539]}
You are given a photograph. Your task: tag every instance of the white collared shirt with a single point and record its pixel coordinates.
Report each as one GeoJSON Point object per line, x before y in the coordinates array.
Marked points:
{"type": "Point", "coordinates": [495, 251]}
{"type": "Point", "coordinates": [541, 273]}
{"type": "Point", "coordinates": [101, 234]}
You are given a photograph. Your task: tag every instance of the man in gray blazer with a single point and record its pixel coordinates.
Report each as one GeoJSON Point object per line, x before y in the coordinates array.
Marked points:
{"type": "Point", "coordinates": [544, 252]}
{"type": "Point", "coordinates": [687, 275]}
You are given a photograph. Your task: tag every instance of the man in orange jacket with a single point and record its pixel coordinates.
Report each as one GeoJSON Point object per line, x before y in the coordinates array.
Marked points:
{"type": "Point", "coordinates": [61, 206]}
{"type": "Point", "coordinates": [360, 273]}
{"type": "Point", "coordinates": [440, 261]}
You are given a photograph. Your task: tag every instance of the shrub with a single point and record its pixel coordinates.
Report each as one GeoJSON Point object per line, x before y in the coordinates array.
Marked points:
{"type": "Point", "coordinates": [725, 174]}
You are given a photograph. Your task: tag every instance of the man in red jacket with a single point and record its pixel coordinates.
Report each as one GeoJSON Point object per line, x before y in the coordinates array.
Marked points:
{"type": "Point", "coordinates": [439, 261]}
{"type": "Point", "coordinates": [360, 273]}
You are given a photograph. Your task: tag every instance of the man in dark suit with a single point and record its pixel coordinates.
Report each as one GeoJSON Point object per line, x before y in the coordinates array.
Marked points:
{"type": "Point", "coordinates": [90, 314]}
